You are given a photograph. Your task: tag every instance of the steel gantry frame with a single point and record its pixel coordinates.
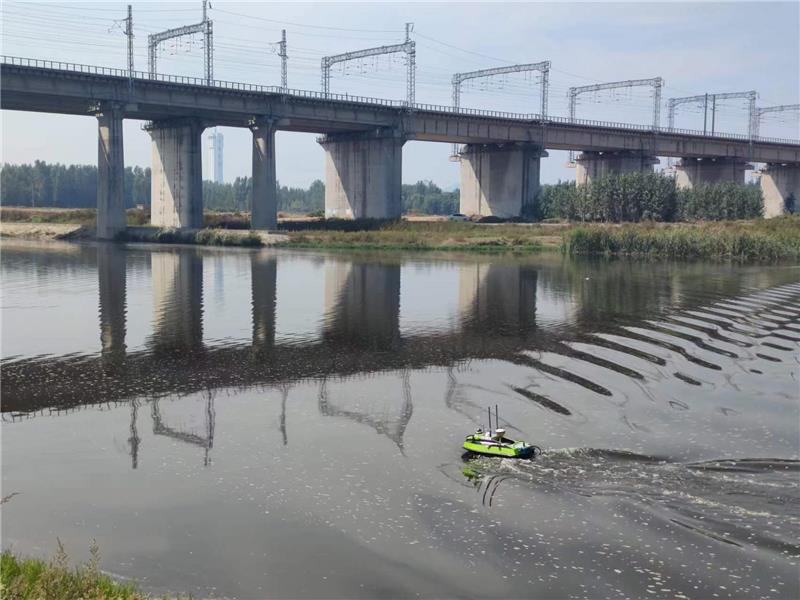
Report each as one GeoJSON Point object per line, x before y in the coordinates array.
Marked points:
{"type": "Point", "coordinates": [408, 47]}
{"type": "Point", "coordinates": [760, 112]}
{"type": "Point", "coordinates": [205, 27]}
{"type": "Point", "coordinates": [543, 67]}
{"type": "Point", "coordinates": [656, 83]}
{"type": "Point", "coordinates": [750, 96]}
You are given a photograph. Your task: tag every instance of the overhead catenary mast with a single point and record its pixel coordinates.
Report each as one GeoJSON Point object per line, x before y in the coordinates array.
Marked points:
{"type": "Point", "coordinates": [543, 67]}
{"type": "Point", "coordinates": [284, 60]}
{"type": "Point", "coordinates": [129, 33]}
{"type": "Point", "coordinates": [760, 112]}
{"type": "Point", "coordinates": [656, 83]}
{"type": "Point", "coordinates": [205, 27]}
{"type": "Point", "coordinates": [711, 100]}
{"type": "Point", "coordinates": [408, 47]}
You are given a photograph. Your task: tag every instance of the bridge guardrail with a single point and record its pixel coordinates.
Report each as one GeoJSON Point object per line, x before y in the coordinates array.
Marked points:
{"type": "Point", "coordinates": [366, 100]}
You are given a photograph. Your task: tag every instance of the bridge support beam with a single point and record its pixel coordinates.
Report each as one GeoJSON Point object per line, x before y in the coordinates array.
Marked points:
{"type": "Point", "coordinates": [363, 175]}
{"type": "Point", "coordinates": [264, 208]}
{"type": "Point", "coordinates": [690, 171]}
{"type": "Point", "coordinates": [110, 173]}
{"type": "Point", "coordinates": [176, 188]}
{"type": "Point", "coordinates": [499, 180]}
{"type": "Point", "coordinates": [592, 165]}
{"type": "Point", "coordinates": [780, 184]}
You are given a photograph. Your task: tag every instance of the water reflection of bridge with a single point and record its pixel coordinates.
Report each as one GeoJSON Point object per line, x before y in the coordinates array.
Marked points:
{"type": "Point", "coordinates": [360, 332]}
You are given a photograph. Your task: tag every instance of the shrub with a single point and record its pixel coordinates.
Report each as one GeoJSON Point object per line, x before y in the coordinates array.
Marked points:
{"type": "Point", "coordinates": [634, 197]}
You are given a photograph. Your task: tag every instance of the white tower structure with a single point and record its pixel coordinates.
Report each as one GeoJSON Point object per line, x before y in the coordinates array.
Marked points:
{"type": "Point", "coordinates": [216, 144]}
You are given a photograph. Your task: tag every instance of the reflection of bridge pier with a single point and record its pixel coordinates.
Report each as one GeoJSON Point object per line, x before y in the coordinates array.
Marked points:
{"type": "Point", "coordinates": [498, 299]}
{"type": "Point", "coordinates": [362, 301]}
{"type": "Point", "coordinates": [264, 272]}
{"type": "Point", "coordinates": [111, 264]}
{"type": "Point", "coordinates": [177, 301]}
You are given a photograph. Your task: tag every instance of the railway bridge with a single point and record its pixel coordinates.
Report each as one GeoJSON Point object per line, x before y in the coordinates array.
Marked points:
{"type": "Point", "coordinates": [363, 139]}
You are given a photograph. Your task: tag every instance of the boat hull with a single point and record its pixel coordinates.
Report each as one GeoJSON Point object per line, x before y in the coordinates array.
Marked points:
{"type": "Point", "coordinates": [517, 450]}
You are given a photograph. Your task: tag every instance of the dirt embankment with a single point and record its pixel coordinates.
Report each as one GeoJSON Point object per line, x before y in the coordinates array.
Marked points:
{"type": "Point", "coordinates": [46, 231]}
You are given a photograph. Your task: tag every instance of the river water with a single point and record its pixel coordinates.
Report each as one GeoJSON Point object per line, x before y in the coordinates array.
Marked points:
{"type": "Point", "coordinates": [253, 424]}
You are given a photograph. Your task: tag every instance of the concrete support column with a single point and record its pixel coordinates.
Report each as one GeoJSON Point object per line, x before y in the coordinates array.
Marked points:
{"type": "Point", "coordinates": [264, 211]}
{"type": "Point", "coordinates": [780, 184]}
{"type": "Point", "coordinates": [363, 175]}
{"type": "Point", "coordinates": [592, 165]}
{"type": "Point", "coordinates": [499, 180]}
{"type": "Point", "coordinates": [691, 171]}
{"type": "Point", "coordinates": [176, 189]}
{"type": "Point", "coordinates": [110, 173]}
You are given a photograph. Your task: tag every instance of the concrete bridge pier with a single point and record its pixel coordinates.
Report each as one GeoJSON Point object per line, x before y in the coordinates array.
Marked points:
{"type": "Point", "coordinates": [691, 171]}
{"type": "Point", "coordinates": [499, 180]}
{"type": "Point", "coordinates": [363, 174]}
{"type": "Point", "coordinates": [110, 172]}
{"type": "Point", "coordinates": [264, 210]}
{"type": "Point", "coordinates": [780, 184]}
{"type": "Point", "coordinates": [176, 187]}
{"type": "Point", "coordinates": [591, 165]}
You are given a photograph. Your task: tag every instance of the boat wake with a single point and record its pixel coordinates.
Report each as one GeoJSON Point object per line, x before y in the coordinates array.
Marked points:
{"type": "Point", "coordinates": [742, 501]}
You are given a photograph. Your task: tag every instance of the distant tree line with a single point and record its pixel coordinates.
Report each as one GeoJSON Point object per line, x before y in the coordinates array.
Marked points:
{"type": "Point", "coordinates": [55, 185]}
{"type": "Point", "coordinates": [636, 197]}
{"type": "Point", "coordinates": [614, 198]}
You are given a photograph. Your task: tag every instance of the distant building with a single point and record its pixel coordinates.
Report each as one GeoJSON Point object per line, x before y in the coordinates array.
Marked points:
{"type": "Point", "coordinates": [216, 143]}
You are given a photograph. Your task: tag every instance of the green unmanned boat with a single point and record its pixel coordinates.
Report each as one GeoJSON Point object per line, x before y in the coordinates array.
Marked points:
{"type": "Point", "coordinates": [497, 444]}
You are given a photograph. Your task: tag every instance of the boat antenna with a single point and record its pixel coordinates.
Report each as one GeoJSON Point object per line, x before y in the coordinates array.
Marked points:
{"type": "Point", "coordinates": [489, 408]}
{"type": "Point", "coordinates": [496, 417]}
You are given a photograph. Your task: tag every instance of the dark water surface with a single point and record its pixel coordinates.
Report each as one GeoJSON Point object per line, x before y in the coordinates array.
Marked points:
{"type": "Point", "coordinates": [271, 424]}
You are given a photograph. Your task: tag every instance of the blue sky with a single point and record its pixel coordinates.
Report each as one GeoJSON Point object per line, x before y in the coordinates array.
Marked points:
{"type": "Point", "coordinates": [696, 47]}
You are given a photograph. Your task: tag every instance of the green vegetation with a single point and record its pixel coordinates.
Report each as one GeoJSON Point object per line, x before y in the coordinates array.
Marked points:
{"type": "Point", "coordinates": [415, 235]}
{"type": "Point", "coordinates": [60, 186]}
{"type": "Point", "coordinates": [204, 237]}
{"type": "Point", "coordinates": [635, 197]}
{"type": "Point", "coordinates": [427, 198]}
{"type": "Point", "coordinates": [33, 579]}
{"type": "Point", "coordinates": [775, 239]}
{"type": "Point", "coordinates": [45, 185]}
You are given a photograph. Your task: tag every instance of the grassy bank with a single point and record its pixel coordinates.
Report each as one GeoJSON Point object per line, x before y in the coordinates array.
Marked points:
{"type": "Point", "coordinates": [774, 239]}
{"type": "Point", "coordinates": [757, 239]}
{"type": "Point", "coordinates": [441, 235]}
{"type": "Point", "coordinates": [203, 237]}
{"type": "Point", "coordinates": [34, 579]}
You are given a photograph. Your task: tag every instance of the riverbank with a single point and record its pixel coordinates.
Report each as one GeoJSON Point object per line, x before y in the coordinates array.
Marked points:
{"type": "Point", "coordinates": [756, 239]}
{"type": "Point", "coordinates": [35, 579]}
{"type": "Point", "coordinates": [760, 239]}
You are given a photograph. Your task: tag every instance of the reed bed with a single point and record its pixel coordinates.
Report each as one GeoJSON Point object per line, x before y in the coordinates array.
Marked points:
{"type": "Point", "coordinates": [776, 239]}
